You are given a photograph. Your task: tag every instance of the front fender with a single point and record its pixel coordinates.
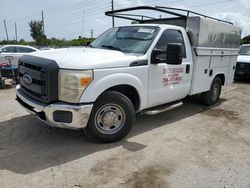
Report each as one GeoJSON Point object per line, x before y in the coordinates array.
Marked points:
{"type": "Point", "coordinates": [102, 83]}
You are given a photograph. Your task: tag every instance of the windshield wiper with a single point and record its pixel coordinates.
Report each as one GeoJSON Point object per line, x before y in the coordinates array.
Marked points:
{"type": "Point", "coordinates": [111, 47]}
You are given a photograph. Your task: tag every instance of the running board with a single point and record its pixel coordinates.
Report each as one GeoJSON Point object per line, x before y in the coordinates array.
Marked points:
{"type": "Point", "coordinates": [162, 108]}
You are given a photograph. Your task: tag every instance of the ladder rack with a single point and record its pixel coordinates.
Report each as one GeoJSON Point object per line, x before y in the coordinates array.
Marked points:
{"type": "Point", "coordinates": [121, 13]}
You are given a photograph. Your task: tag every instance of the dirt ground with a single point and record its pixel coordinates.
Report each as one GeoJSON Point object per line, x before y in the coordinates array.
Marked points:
{"type": "Point", "coordinates": [192, 146]}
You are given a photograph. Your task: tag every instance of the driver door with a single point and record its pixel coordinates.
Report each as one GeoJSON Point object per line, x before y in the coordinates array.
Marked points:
{"type": "Point", "coordinates": [168, 83]}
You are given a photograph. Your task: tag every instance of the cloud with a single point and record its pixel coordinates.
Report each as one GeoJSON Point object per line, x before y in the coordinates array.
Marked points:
{"type": "Point", "coordinates": [245, 3]}
{"type": "Point", "coordinates": [238, 19]}
{"type": "Point", "coordinates": [180, 7]}
{"type": "Point", "coordinates": [129, 3]}
{"type": "Point", "coordinates": [140, 3]}
{"type": "Point", "coordinates": [101, 22]}
{"type": "Point", "coordinates": [124, 3]}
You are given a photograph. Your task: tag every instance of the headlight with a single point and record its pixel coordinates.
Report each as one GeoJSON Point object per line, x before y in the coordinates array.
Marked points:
{"type": "Point", "coordinates": [72, 84]}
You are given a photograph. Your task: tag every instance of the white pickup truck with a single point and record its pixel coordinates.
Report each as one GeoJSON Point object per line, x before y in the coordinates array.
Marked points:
{"type": "Point", "coordinates": [146, 67]}
{"type": "Point", "coordinates": [243, 63]}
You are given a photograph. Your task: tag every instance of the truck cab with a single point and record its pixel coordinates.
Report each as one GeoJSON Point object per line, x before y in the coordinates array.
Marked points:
{"type": "Point", "coordinates": [141, 68]}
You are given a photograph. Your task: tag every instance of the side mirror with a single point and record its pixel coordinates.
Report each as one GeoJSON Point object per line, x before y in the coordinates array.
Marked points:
{"type": "Point", "coordinates": [1, 51]}
{"type": "Point", "coordinates": [174, 54]}
{"type": "Point", "coordinates": [158, 56]}
{"type": "Point", "coordinates": [88, 43]}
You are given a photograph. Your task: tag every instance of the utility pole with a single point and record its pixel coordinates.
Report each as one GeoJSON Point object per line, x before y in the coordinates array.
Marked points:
{"type": "Point", "coordinates": [92, 33]}
{"type": "Point", "coordinates": [43, 22]}
{"type": "Point", "coordinates": [112, 8]}
{"type": "Point", "coordinates": [16, 31]}
{"type": "Point", "coordinates": [6, 30]}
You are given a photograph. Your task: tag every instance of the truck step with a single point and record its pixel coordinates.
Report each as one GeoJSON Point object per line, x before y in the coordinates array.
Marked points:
{"type": "Point", "coordinates": [162, 108]}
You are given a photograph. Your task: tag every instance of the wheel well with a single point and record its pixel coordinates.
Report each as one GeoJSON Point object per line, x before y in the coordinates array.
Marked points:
{"type": "Point", "coordinates": [129, 92]}
{"type": "Point", "coordinates": [222, 77]}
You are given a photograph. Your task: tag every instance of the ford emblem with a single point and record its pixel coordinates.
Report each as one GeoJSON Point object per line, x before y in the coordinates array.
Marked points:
{"type": "Point", "coordinates": [27, 79]}
{"type": "Point", "coordinates": [242, 65]}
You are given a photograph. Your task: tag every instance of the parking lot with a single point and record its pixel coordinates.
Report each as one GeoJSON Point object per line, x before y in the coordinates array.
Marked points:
{"type": "Point", "coordinates": [192, 146]}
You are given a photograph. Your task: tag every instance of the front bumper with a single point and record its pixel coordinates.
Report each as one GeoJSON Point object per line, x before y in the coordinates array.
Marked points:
{"type": "Point", "coordinates": [47, 113]}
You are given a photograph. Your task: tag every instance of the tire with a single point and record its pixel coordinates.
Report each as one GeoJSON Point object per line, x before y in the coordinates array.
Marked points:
{"type": "Point", "coordinates": [112, 117]}
{"type": "Point", "coordinates": [211, 97]}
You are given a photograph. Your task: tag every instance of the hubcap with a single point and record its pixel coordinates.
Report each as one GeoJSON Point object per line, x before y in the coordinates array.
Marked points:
{"type": "Point", "coordinates": [110, 119]}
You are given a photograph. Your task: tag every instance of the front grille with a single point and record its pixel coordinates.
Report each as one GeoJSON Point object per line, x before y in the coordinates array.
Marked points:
{"type": "Point", "coordinates": [241, 65]}
{"type": "Point", "coordinates": [39, 78]}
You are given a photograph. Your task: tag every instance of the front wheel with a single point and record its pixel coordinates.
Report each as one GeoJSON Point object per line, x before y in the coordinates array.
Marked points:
{"type": "Point", "coordinates": [112, 117]}
{"type": "Point", "coordinates": [212, 96]}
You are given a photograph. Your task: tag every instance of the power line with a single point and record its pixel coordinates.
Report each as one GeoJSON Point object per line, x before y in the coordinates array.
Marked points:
{"type": "Point", "coordinates": [23, 17]}
{"type": "Point", "coordinates": [76, 14]}
{"type": "Point", "coordinates": [53, 11]}
{"type": "Point", "coordinates": [74, 5]}
{"type": "Point", "coordinates": [74, 21]}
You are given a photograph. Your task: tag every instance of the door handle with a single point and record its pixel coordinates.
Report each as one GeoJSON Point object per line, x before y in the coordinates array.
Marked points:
{"type": "Point", "coordinates": [187, 69]}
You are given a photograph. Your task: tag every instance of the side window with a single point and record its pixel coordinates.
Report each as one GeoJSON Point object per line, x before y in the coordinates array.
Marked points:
{"type": "Point", "coordinates": [24, 50]}
{"type": "Point", "coordinates": [171, 36]}
{"type": "Point", "coordinates": [9, 49]}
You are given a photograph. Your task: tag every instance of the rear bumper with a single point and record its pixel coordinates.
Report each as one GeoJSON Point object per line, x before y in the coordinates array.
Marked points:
{"type": "Point", "coordinates": [78, 114]}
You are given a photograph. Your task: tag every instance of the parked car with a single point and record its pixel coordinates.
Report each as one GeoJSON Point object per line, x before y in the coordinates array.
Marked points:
{"type": "Point", "coordinates": [243, 62]}
{"type": "Point", "coordinates": [46, 48]}
{"type": "Point", "coordinates": [16, 51]}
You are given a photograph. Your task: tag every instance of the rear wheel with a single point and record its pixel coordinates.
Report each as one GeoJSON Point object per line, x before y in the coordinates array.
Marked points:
{"type": "Point", "coordinates": [212, 96]}
{"type": "Point", "coordinates": [112, 117]}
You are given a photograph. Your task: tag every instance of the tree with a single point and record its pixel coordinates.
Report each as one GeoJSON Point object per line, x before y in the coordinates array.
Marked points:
{"type": "Point", "coordinates": [36, 32]}
{"type": "Point", "coordinates": [246, 40]}
{"type": "Point", "coordinates": [22, 42]}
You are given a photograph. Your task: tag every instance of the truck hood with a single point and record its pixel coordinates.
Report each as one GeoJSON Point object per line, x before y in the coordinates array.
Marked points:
{"type": "Point", "coordinates": [243, 58]}
{"type": "Point", "coordinates": [87, 58]}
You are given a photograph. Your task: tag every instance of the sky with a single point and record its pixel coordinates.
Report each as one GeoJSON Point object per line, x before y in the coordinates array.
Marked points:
{"type": "Point", "coordinates": [68, 19]}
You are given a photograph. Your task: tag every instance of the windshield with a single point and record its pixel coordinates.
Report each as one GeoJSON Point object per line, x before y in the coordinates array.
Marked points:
{"type": "Point", "coordinates": [129, 39]}
{"type": "Point", "coordinates": [244, 50]}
